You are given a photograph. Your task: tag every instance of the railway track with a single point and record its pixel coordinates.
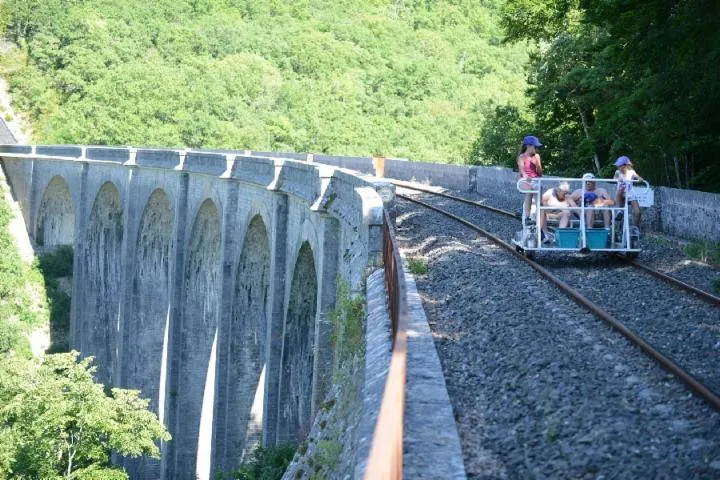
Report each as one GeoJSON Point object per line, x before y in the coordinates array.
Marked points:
{"type": "Point", "coordinates": [694, 383]}
{"type": "Point", "coordinates": [540, 389]}
{"type": "Point", "coordinates": [702, 294]}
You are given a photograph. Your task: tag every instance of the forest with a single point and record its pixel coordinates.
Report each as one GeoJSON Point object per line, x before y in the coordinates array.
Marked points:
{"type": "Point", "coordinates": [616, 77]}
{"type": "Point", "coordinates": [451, 81]}
{"type": "Point", "coordinates": [401, 78]}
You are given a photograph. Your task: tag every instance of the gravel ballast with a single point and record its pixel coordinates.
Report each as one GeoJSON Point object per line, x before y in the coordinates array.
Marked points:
{"type": "Point", "coordinates": [541, 388]}
{"type": "Point", "coordinates": [681, 326]}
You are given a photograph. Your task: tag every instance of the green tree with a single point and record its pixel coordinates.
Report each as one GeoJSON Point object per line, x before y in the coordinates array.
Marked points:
{"type": "Point", "coordinates": [499, 140]}
{"type": "Point", "coordinates": [618, 77]}
{"type": "Point", "coordinates": [58, 423]}
{"type": "Point", "coordinates": [408, 77]}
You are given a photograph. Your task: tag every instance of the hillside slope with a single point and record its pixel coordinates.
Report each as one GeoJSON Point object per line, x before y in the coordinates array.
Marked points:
{"type": "Point", "coordinates": [405, 78]}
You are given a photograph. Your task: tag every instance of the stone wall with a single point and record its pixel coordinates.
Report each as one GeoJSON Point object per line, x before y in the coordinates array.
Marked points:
{"type": "Point", "coordinates": [689, 213]}
{"type": "Point", "coordinates": [456, 177]}
{"type": "Point", "coordinates": [204, 279]}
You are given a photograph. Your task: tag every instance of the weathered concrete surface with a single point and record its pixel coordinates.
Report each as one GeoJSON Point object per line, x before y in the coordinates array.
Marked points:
{"type": "Point", "coordinates": [378, 349]}
{"type": "Point", "coordinates": [246, 364]}
{"type": "Point", "coordinates": [457, 177]}
{"type": "Point", "coordinates": [101, 266]}
{"type": "Point", "coordinates": [298, 352]}
{"type": "Point", "coordinates": [193, 270]}
{"type": "Point", "coordinates": [432, 444]}
{"type": "Point", "coordinates": [145, 355]}
{"type": "Point", "coordinates": [194, 389]}
{"type": "Point", "coordinates": [689, 214]}
{"type": "Point", "coordinates": [56, 221]}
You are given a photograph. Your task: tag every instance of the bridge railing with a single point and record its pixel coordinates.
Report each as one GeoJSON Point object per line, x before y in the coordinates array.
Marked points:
{"type": "Point", "coordinates": [386, 453]}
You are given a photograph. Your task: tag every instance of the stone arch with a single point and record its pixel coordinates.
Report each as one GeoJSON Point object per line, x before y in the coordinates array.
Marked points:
{"type": "Point", "coordinates": [102, 266]}
{"type": "Point", "coordinates": [247, 355]}
{"type": "Point", "coordinates": [147, 322]}
{"type": "Point", "coordinates": [55, 223]}
{"type": "Point", "coordinates": [297, 354]}
{"type": "Point", "coordinates": [197, 348]}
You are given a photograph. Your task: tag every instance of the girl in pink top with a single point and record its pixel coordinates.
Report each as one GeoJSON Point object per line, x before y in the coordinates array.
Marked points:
{"type": "Point", "coordinates": [529, 167]}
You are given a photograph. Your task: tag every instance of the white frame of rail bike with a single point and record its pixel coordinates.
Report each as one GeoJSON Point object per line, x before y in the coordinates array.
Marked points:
{"type": "Point", "coordinates": [538, 190]}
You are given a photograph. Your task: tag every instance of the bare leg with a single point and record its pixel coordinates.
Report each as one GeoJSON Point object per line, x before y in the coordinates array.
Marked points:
{"type": "Point", "coordinates": [606, 218]}
{"type": "Point", "coordinates": [527, 205]}
{"type": "Point", "coordinates": [543, 222]}
{"type": "Point", "coordinates": [635, 213]}
{"type": "Point", "coordinates": [564, 218]}
{"type": "Point", "coordinates": [589, 218]}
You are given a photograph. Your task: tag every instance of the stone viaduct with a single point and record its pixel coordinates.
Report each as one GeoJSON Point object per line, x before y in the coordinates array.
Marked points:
{"type": "Point", "coordinates": [204, 279]}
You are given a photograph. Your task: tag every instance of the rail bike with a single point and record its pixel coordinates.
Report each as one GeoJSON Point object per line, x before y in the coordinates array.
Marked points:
{"type": "Point", "coordinates": [591, 222]}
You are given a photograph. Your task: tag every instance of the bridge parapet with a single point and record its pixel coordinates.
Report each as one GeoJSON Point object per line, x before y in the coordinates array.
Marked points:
{"type": "Point", "coordinates": [295, 177]}
{"type": "Point", "coordinates": [257, 170]}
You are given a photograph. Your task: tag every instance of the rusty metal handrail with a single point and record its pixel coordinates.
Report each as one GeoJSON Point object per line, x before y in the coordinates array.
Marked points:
{"type": "Point", "coordinates": [386, 453]}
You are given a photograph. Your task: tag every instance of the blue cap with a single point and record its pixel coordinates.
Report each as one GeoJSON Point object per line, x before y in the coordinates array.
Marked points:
{"type": "Point", "coordinates": [532, 140]}
{"type": "Point", "coordinates": [590, 197]}
{"type": "Point", "coordinates": [622, 161]}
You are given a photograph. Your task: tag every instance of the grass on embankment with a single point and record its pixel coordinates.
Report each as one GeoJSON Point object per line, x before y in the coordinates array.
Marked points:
{"type": "Point", "coordinates": [23, 304]}
{"type": "Point", "coordinates": [706, 252]}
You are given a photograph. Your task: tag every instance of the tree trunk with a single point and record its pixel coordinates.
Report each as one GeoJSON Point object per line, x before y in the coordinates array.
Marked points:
{"type": "Point", "coordinates": [677, 171]}
{"type": "Point", "coordinates": [692, 169]}
{"type": "Point", "coordinates": [586, 129]}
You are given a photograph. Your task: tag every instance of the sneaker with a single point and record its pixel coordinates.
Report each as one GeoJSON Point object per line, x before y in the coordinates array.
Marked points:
{"type": "Point", "coordinates": [548, 238]}
{"type": "Point", "coordinates": [529, 221]}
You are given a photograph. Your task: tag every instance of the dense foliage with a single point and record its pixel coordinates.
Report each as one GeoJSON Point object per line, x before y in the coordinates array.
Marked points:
{"type": "Point", "coordinates": [618, 77]}
{"type": "Point", "coordinates": [404, 78]}
{"type": "Point", "coordinates": [265, 463]}
{"type": "Point", "coordinates": [433, 80]}
{"type": "Point", "coordinates": [23, 306]}
{"type": "Point", "coordinates": [56, 266]}
{"type": "Point", "coordinates": [56, 422]}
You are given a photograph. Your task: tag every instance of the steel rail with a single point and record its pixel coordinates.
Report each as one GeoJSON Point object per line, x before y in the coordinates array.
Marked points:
{"type": "Point", "coordinates": [693, 383]}
{"type": "Point", "coordinates": [386, 452]}
{"type": "Point", "coordinates": [702, 294]}
{"type": "Point", "coordinates": [453, 197]}
{"type": "Point", "coordinates": [707, 296]}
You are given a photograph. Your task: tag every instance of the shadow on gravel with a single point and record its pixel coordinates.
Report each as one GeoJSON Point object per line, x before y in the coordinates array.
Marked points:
{"type": "Point", "coordinates": [563, 260]}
